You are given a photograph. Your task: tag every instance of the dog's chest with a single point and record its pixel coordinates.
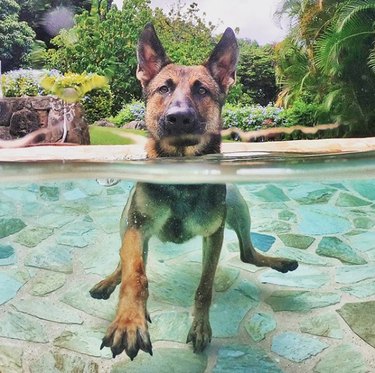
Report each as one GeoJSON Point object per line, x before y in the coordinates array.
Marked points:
{"type": "Point", "coordinates": [180, 212]}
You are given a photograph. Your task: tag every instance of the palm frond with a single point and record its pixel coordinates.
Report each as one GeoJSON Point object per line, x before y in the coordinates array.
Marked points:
{"type": "Point", "coordinates": [331, 98]}
{"type": "Point", "coordinates": [371, 59]}
{"type": "Point", "coordinates": [355, 12]}
{"type": "Point", "coordinates": [329, 48]}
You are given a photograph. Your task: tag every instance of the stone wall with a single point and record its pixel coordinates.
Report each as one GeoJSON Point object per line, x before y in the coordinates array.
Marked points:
{"type": "Point", "coordinates": [20, 116]}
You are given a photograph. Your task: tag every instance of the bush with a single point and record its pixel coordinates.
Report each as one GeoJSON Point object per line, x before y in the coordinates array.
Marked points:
{"type": "Point", "coordinates": [23, 82]}
{"type": "Point", "coordinates": [249, 118]}
{"type": "Point", "coordinates": [253, 117]}
{"type": "Point", "coordinates": [97, 104]}
{"type": "Point", "coordinates": [134, 110]}
{"type": "Point", "coordinates": [238, 96]}
{"type": "Point", "coordinates": [304, 114]}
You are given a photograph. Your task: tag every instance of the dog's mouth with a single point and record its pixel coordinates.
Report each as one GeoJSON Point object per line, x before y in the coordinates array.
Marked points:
{"type": "Point", "coordinates": [182, 141]}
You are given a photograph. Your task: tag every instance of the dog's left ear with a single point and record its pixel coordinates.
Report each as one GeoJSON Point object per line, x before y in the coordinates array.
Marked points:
{"type": "Point", "coordinates": [223, 60]}
{"type": "Point", "coordinates": [151, 55]}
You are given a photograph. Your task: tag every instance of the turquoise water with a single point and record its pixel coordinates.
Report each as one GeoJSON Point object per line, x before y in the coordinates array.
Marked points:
{"type": "Point", "coordinates": [59, 235]}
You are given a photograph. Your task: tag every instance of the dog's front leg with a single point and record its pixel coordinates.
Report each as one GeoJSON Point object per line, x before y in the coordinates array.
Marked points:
{"type": "Point", "coordinates": [200, 332]}
{"type": "Point", "coordinates": [129, 330]}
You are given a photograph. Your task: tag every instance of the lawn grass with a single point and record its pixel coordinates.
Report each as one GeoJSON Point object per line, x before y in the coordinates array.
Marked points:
{"type": "Point", "coordinates": [108, 136]}
{"type": "Point", "coordinates": [135, 132]}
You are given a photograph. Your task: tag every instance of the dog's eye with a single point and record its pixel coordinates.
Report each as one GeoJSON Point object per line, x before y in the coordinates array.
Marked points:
{"type": "Point", "coordinates": [202, 91]}
{"type": "Point", "coordinates": [164, 89]}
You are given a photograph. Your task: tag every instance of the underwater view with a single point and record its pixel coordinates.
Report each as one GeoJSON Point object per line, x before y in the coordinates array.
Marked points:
{"type": "Point", "coordinates": [59, 238]}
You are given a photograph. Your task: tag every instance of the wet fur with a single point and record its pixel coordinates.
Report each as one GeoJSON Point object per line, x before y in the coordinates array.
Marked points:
{"type": "Point", "coordinates": [183, 120]}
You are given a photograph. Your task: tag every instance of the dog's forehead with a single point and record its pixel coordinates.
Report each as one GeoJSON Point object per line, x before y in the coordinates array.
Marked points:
{"type": "Point", "coordinates": [185, 74]}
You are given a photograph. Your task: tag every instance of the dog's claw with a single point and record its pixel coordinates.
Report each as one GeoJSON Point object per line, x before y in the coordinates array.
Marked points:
{"type": "Point", "coordinates": [200, 334]}
{"type": "Point", "coordinates": [127, 336]}
{"type": "Point", "coordinates": [143, 341]}
{"type": "Point", "coordinates": [106, 341]}
{"type": "Point", "coordinates": [102, 290]}
{"type": "Point", "coordinates": [287, 266]}
{"type": "Point", "coordinates": [148, 318]}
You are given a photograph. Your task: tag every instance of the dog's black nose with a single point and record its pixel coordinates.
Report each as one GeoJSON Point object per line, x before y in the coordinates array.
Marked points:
{"type": "Point", "coordinates": [180, 120]}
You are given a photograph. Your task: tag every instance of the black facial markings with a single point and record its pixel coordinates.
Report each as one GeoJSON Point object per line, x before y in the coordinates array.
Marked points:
{"type": "Point", "coordinates": [167, 87]}
{"type": "Point", "coordinates": [199, 89]}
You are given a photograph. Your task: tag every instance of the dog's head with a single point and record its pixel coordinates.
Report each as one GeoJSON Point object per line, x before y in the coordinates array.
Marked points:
{"type": "Point", "coordinates": [183, 103]}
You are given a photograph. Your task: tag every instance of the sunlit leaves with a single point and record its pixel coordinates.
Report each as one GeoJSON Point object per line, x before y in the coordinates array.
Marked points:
{"type": "Point", "coordinates": [73, 87]}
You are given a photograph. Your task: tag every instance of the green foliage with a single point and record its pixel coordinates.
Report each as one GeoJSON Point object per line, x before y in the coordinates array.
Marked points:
{"type": "Point", "coordinates": [9, 8]}
{"type": "Point", "coordinates": [256, 73]}
{"type": "Point", "coordinates": [329, 60]}
{"type": "Point", "coordinates": [304, 114]}
{"type": "Point", "coordinates": [97, 104]}
{"type": "Point", "coordinates": [186, 37]}
{"type": "Point", "coordinates": [73, 87]}
{"type": "Point", "coordinates": [237, 95]}
{"type": "Point", "coordinates": [16, 38]}
{"type": "Point", "coordinates": [344, 54]}
{"type": "Point", "coordinates": [104, 42]}
{"type": "Point", "coordinates": [134, 110]}
{"type": "Point", "coordinates": [293, 73]}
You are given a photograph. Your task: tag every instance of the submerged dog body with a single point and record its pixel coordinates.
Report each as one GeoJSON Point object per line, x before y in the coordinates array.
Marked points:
{"type": "Point", "coordinates": [183, 117]}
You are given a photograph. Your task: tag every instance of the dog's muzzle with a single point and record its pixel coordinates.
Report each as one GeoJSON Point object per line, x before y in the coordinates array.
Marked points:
{"type": "Point", "coordinates": [180, 122]}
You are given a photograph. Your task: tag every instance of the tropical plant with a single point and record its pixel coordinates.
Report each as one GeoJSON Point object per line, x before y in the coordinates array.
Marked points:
{"type": "Point", "coordinates": [329, 59]}
{"type": "Point", "coordinates": [72, 87]}
{"type": "Point", "coordinates": [345, 54]}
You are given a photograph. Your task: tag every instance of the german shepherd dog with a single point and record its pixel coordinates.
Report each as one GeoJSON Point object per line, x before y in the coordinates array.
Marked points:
{"type": "Point", "coordinates": [183, 117]}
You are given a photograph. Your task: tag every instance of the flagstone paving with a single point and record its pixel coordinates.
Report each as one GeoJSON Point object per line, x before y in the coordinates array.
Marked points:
{"type": "Point", "coordinates": [58, 239]}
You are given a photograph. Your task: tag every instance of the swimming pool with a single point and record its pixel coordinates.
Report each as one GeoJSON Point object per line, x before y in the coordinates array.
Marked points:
{"type": "Point", "coordinates": [59, 235]}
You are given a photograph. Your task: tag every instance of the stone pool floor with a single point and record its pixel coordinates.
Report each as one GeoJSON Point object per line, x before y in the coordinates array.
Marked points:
{"type": "Point", "coordinates": [58, 239]}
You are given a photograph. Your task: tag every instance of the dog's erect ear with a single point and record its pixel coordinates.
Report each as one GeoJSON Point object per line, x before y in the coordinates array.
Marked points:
{"type": "Point", "coordinates": [223, 60]}
{"type": "Point", "coordinates": [151, 55]}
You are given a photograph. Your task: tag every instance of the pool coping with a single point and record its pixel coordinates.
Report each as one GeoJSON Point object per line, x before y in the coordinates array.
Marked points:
{"type": "Point", "coordinates": [105, 153]}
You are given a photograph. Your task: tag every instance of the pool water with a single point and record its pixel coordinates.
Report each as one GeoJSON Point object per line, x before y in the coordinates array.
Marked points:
{"type": "Point", "coordinates": [57, 239]}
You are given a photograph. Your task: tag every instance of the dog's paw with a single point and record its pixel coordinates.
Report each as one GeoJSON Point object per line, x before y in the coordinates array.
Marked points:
{"type": "Point", "coordinates": [286, 265]}
{"type": "Point", "coordinates": [126, 333]}
{"type": "Point", "coordinates": [102, 290]}
{"type": "Point", "coordinates": [200, 334]}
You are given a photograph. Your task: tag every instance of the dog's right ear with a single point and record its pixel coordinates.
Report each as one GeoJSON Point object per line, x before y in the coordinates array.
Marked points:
{"type": "Point", "coordinates": [151, 55]}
